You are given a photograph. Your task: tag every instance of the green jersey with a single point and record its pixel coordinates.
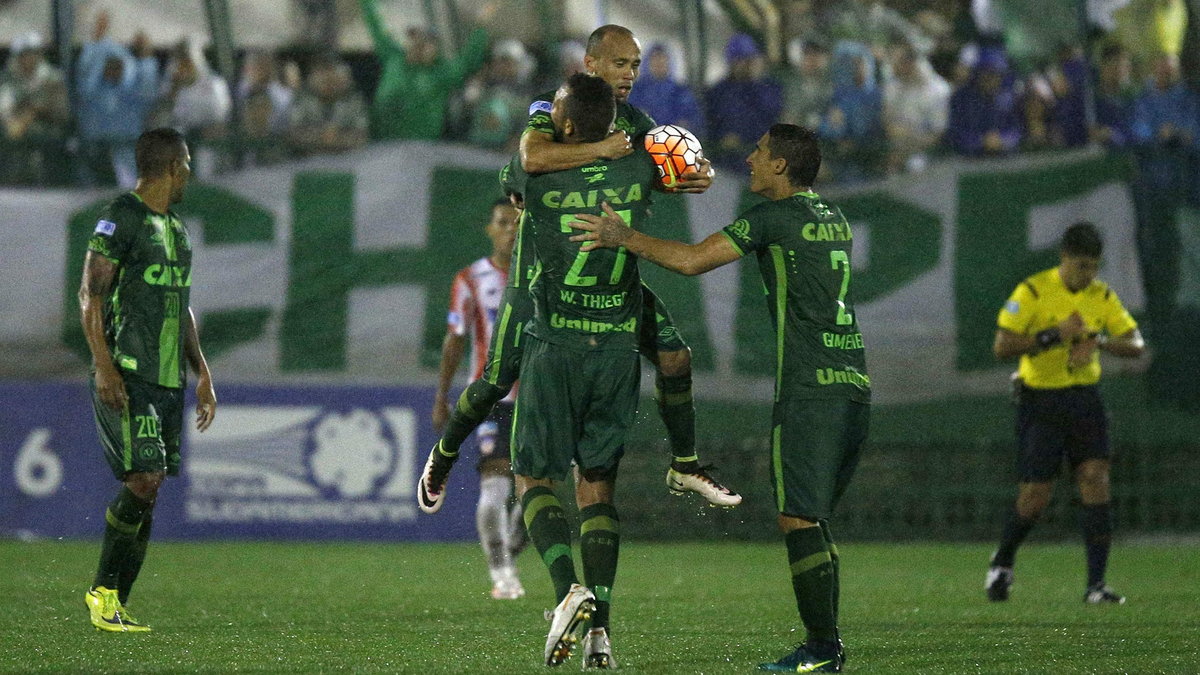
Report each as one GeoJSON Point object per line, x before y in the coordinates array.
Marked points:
{"type": "Point", "coordinates": [593, 299]}
{"type": "Point", "coordinates": [143, 317]}
{"type": "Point", "coordinates": [629, 119]}
{"type": "Point", "coordinates": [803, 247]}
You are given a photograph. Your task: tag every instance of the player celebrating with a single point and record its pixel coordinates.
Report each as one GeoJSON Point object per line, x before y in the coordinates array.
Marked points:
{"type": "Point", "coordinates": [474, 299]}
{"type": "Point", "coordinates": [614, 56]}
{"type": "Point", "coordinates": [579, 371]}
{"type": "Point", "coordinates": [822, 392]}
{"type": "Point", "coordinates": [1057, 321]}
{"type": "Point", "coordinates": [140, 253]}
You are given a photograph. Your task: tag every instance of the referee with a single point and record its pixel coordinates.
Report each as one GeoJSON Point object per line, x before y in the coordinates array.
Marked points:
{"type": "Point", "coordinates": [1056, 321]}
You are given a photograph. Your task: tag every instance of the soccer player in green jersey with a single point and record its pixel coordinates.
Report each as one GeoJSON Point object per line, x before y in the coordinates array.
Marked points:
{"type": "Point", "coordinates": [580, 370]}
{"type": "Point", "coordinates": [822, 392]}
{"type": "Point", "coordinates": [140, 330]}
{"type": "Point", "coordinates": [614, 56]}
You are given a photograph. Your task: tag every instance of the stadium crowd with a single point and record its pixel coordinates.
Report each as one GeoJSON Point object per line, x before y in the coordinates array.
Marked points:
{"type": "Point", "coordinates": [887, 91]}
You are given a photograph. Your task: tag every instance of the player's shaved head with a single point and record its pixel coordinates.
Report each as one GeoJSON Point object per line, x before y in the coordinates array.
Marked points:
{"type": "Point", "coordinates": [598, 36]}
{"type": "Point", "coordinates": [156, 150]}
{"type": "Point", "coordinates": [798, 146]}
{"type": "Point", "coordinates": [589, 104]}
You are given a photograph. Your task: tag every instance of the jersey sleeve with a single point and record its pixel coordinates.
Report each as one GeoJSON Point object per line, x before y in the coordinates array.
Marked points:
{"type": "Point", "coordinates": [1117, 320]}
{"type": "Point", "coordinates": [113, 235]}
{"type": "Point", "coordinates": [513, 177]}
{"type": "Point", "coordinates": [1017, 311]}
{"type": "Point", "coordinates": [460, 304]}
{"type": "Point", "coordinates": [748, 233]}
{"type": "Point", "coordinates": [539, 115]}
{"type": "Point", "coordinates": [642, 123]}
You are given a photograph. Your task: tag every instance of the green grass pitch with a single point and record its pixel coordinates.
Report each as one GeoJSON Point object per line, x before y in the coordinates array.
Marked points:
{"type": "Point", "coordinates": [678, 608]}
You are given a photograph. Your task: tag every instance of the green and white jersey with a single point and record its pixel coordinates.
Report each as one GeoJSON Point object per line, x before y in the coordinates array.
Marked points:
{"type": "Point", "coordinates": [143, 318]}
{"type": "Point", "coordinates": [803, 247]}
{"type": "Point", "coordinates": [629, 119]}
{"type": "Point", "coordinates": [585, 300]}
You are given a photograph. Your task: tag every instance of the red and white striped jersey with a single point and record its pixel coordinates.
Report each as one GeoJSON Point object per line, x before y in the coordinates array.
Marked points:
{"type": "Point", "coordinates": [474, 302]}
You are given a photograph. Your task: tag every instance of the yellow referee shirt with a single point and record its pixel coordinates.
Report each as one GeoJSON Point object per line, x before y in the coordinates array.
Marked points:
{"type": "Point", "coordinates": [1041, 302]}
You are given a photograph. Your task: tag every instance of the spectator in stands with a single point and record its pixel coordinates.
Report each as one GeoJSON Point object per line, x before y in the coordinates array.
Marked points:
{"type": "Point", "coordinates": [265, 80]}
{"type": "Point", "coordinates": [117, 87]}
{"type": "Point", "coordinates": [499, 101]}
{"type": "Point", "coordinates": [410, 101]}
{"type": "Point", "coordinates": [197, 102]}
{"type": "Point", "coordinates": [661, 95]}
{"type": "Point", "coordinates": [808, 88]}
{"type": "Point", "coordinates": [264, 100]}
{"type": "Point", "coordinates": [915, 109]}
{"type": "Point", "coordinates": [1114, 98]}
{"type": "Point", "coordinates": [329, 115]}
{"type": "Point", "coordinates": [35, 113]}
{"type": "Point", "coordinates": [853, 124]}
{"type": "Point", "coordinates": [985, 113]}
{"type": "Point", "coordinates": [568, 60]}
{"type": "Point", "coordinates": [1069, 83]}
{"type": "Point", "coordinates": [741, 107]}
{"type": "Point", "coordinates": [873, 23]}
{"type": "Point", "coordinates": [1164, 133]}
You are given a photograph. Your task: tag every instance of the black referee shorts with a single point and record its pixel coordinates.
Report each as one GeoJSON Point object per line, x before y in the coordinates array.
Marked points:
{"type": "Point", "coordinates": [1054, 425]}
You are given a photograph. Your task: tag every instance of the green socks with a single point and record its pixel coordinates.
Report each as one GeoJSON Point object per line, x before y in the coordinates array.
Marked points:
{"type": "Point", "coordinates": [600, 541]}
{"type": "Point", "coordinates": [473, 406]}
{"type": "Point", "coordinates": [137, 555]}
{"type": "Point", "coordinates": [123, 520]}
{"type": "Point", "coordinates": [674, 398]}
{"type": "Point", "coordinates": [833, 556]}
{"type": "Point", "coordinates": [551, 535]}
{"type": "Point", "coordinates": [813, 581]}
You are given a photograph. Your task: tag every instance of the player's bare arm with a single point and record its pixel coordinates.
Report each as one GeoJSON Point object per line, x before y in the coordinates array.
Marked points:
{"type": "Point", "coordinates": [99, 275]}
{"type": "Point", "coordinates": [609, 231]}
{"type": "Point", "coordinates": [453, 347]}
{"type": "Point", "coordinates": [206, 396]}
{"type": "Point", "coordinates": [540, 153]}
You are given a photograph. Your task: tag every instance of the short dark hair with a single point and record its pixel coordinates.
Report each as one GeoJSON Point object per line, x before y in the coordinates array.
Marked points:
{"type": "Point", "coordinates": [502, 201]}
{"type": "Point", "coordinates": [590, 105]}
{"type": "Point", "coordinates": [598, 35]}
{"type": "Point", "coordinates": [798, 146]}
{"type": "Point", "coordinates": [156, 150]}
{"type": "Point", "coordinates": [1083, 240]}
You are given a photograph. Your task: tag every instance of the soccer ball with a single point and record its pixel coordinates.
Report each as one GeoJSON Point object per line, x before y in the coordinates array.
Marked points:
{"type": "Point", "coordinates": [675, 151]}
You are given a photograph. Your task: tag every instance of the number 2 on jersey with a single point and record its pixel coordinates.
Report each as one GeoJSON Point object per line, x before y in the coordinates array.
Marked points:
{"type": "Point", "coordinates": [574, 275]}
{"type": "Point", "coordinates": [844, 318]}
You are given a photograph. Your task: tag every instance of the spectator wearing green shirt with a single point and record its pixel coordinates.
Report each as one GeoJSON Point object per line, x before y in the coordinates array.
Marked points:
{"type": "Point", "coordinates": [410, 101]}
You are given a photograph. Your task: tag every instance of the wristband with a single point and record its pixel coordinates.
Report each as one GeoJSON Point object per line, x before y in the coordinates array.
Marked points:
{"type": "Point", "coordinates": [1048, 338]}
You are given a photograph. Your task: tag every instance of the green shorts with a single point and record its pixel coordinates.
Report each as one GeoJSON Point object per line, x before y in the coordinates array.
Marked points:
{"type": "Point", "coordinates": [574, 406]}
{"type": "Point", "coordinates": [815, 446]}
{"type": "Point", "coordinates": [504, 352]}
{"type": "Point", "coordinates": [657, 333]}
{"type": "Point", "coordinates": [145, 435]}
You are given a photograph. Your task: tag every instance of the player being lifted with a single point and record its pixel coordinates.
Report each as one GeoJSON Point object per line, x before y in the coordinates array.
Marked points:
{"type": "Point", "coordinates": [140, 330]}
{"type": "Point", "coordinates": [474, 299]}
{"type": "Point", "coordinates": [614, 56]}
{"type": "Point", "coordinates": [822, 392]}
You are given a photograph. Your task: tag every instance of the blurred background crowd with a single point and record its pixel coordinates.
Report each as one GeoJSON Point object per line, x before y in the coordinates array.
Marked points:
{"type": "Point", "coordinates": [890, 85]}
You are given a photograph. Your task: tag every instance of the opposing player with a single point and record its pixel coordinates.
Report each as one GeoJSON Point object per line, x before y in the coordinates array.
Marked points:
{"type": "Point", "coordinates": [474, 299]}
{"type": "Point", "coordinates": [140, 330]}
{"type": "Point", "coordinates": [822, 391]}
{"type": "Point", "coordinates": [1058, 321]}
{"type": "Point", "coordinates": [614, 56]}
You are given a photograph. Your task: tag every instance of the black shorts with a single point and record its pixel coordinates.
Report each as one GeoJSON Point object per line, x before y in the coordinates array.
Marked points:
{"type": "Point", "coordinates": [494, 436]}
{"type": "Point", "coordinates": [1059, 424]}
{"type": "Point", "coordinates": [145, 435]}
